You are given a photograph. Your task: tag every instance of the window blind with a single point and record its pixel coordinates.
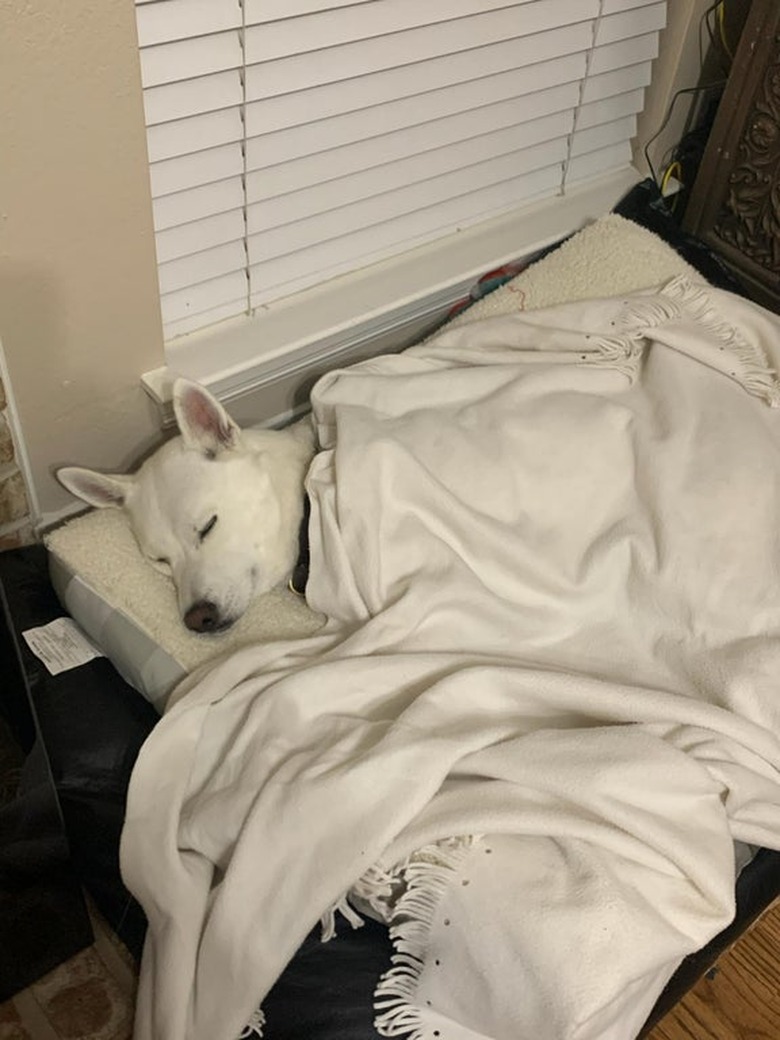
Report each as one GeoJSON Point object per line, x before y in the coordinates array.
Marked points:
{"type": "Point", "coordinates": [291, 141]}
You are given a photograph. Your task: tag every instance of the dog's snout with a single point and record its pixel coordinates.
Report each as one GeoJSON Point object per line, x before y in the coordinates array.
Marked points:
{"type": "Point", "coordinates": [204, 617]}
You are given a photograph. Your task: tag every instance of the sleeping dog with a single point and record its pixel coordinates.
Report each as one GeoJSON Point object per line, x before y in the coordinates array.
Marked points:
{"type": "Point", "coordinates": [217, 508]}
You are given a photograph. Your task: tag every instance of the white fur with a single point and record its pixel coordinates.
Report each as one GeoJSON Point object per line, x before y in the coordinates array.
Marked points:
{"type": "Point", "coordinates": [250, 480]}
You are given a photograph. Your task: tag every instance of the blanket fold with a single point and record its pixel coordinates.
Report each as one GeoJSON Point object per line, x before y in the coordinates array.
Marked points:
{"type": "Point", "coordinates": [544, 705]}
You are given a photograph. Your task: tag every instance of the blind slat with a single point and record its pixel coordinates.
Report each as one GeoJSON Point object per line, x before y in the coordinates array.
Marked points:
{"type": "Point", "coordinates": [438, 166]}
{"type": "Point", "coordinates": [186, 206]}
{"type": "Point", "coordinates": [269, 242]}
{"type": "Point", "coordinates": [294, 97]}
{"type": "Point", "coordinates": [190, 171]}
{"type": "Point", "coordinates": [204, 318]}
{"type": "Point", "coordinates": [183, 239]}
{"type": "Point", "coordinates": [182, 19]}
{"type": "Point", "coordinates": [184, 136]}
{"type": "Point", "coordinates": [299, 270]}
{"type": "Point", "coordinates": [613, 56]}
{"type": "Point", "coordinates": [173, 62]}
{"type": "Point", "coordinates": [614, 157]}
{"type": "Point", "coordinates": [272, 10]}
{"type": "Point", "coordinates": [618, 81]}
{"type": "Point", "coordinates": [355, 59]}
{"type": "Point", "coordinates": [351, 172]}
{"type": "Point", "coordinates": [603, 135]}
{"type": "Point", "coordinates": [203, 297]}
{"type": "Point", "coordinates": [326, 145]}
{"type": "Point", "coordinates": [331, 28]}
{"type": "Point", "coordinates": [622, 26]}
{"type": "Point", "coordinates": [193, 97]}
{"type": "Point", "coordinates": [202, 266]}
{"type": "Point", "coordinates": [429, 104]}
{"type": "Point", "coordinates": [615, 6]}
{"type": "Point", "coordinates": [609, 109]}
{"type": "Point", "coordinates": [294, 140]}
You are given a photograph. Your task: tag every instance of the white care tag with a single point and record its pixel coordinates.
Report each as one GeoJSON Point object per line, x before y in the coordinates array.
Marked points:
{"type": "Point", "coordinates": [60, 645]}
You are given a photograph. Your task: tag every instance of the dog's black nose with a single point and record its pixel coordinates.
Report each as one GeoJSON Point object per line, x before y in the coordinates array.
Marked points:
{"type": "Point", "coordinates": [203, 617]}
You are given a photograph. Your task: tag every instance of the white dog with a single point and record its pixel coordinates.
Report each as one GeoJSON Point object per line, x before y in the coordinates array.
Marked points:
{"type": "Point", "coordinates": [218, 508]}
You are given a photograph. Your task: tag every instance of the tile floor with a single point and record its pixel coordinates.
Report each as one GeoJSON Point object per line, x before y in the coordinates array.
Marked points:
{"type": "Point", "coordinates": [89, 997]}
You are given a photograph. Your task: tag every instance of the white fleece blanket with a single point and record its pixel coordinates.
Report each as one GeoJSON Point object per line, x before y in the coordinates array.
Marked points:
{"type": "Point", "coordinates": [548, 546]}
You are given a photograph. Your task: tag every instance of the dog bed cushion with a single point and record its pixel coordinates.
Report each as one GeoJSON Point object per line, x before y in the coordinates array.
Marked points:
{"type": "Point", "coordinates": [129, 610]}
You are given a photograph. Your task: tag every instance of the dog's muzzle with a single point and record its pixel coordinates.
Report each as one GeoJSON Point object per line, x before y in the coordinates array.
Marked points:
{"type": "Point", "coordinates": [205, 617]}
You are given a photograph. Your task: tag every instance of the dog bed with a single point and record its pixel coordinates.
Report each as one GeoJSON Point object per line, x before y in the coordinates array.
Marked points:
{"type": "Point", "coordinates": [325, 991]}
{"type": "Point", "coordinates": [129, 611]}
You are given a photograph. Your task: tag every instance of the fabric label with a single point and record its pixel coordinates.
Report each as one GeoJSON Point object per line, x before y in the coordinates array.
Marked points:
{"type": "Point", "coordinates": [61, 645]}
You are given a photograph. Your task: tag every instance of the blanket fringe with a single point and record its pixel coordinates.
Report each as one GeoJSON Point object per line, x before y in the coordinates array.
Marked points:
{"type": "Point", "coordinates": [254, 1027]}
{"type": "Point", "coordinates": [379, 890]}
{"type": "Point", "coordinates": [756, 375]}
{"type": "Point", "coordinates": [328, 919]}
{"type": "Point", "coordinates": [649, 312]}
{"type": "Point", "coordinates": [622, 354]}
{"type": "Point", "coordinates": [625, 349]}
{"type": "Point", "coordinates": [425, 874]}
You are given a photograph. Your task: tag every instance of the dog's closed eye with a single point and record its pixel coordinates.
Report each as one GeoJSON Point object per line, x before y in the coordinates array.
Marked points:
{"type": "Point", "coordinates": [161, 564]}
{"type": "Point", "coordinates": [207, 528]}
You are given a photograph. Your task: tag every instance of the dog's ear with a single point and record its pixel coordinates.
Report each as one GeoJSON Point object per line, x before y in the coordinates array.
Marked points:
{"type": "Point", "coordinates": [96, 489]}
{"type": "Point", "coordinates": [203, 422]}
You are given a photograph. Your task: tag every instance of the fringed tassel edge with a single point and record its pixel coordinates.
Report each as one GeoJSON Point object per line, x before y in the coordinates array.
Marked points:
{"type": "Point", "coordinates": [426, 874]}
{"type": "Point", "coordinates": [622, 354]}
{"type": "Point", "coordinates": [625, 349]}
{"type": "Point", "coordinates": [254, 1027]}
{"type": "Point", "coordinates": [328, 919]}
{"type": "Point", "coordinates": [758, 377]}
{"type": "Point", "coordinates": [378, 889]}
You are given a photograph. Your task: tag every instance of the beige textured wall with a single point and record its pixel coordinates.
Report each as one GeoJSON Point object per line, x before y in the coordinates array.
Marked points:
{"type": "Point", "coordinates": [79, 312]}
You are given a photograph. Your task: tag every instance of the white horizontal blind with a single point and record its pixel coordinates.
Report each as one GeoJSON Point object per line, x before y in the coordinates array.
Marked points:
{"type": "Point", "coordinates": [294, 140]}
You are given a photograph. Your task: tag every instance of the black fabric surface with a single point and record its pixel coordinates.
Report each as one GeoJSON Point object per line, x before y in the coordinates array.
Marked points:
{"type": "Point", "coordinates": [43, 917]}
{"type": "Point", "coordinates": [644, 205]}
{"type": "Point", "coordinates": [327, 990]}
{"type": "Point", "coordinates": [92, 725]}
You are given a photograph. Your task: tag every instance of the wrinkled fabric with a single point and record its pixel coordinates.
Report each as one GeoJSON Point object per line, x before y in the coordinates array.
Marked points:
{"type": "Point", "coordinates": [548, 548]}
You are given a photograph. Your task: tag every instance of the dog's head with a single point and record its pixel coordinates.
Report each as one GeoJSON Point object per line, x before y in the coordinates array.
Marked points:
{"type": "Point", "coordinates": [218, 508]}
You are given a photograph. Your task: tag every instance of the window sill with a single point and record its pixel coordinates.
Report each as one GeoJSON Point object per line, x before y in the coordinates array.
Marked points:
{"type": "Point", "coordinates": [264, 365]}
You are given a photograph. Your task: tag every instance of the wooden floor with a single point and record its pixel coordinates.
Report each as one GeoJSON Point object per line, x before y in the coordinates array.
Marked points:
{"type": "Point", "coordinates": [740, 998]}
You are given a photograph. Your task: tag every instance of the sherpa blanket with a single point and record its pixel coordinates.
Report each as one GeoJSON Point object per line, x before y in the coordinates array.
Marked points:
{"type": "Point", "coordinates": [544, 706]}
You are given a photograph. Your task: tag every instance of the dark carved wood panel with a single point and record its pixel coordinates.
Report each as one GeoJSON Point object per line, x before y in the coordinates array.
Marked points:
{"type": "Point", "coordinates": [735, 203]}
{"type": "Point", "coordinates": [750, 216]}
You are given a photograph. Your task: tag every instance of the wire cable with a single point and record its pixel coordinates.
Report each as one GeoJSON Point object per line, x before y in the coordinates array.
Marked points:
{"type": "Point", "coordinates": [674, 168]}
{"type": "Point", "coordinates": [722, 30]}
{"type": "Point", "coordinates": [669, 173]}
{"type": "Point", "coordinates": [668, 116]}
